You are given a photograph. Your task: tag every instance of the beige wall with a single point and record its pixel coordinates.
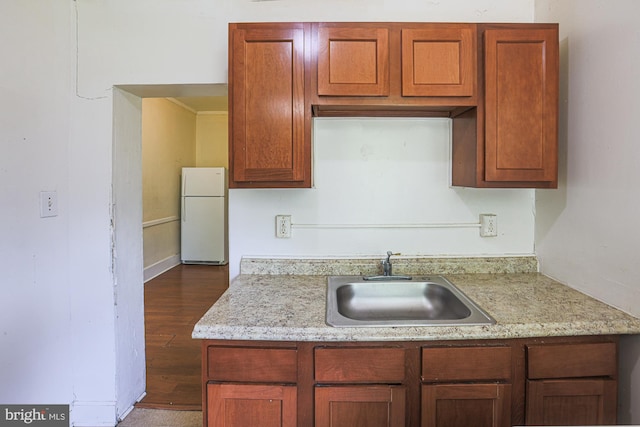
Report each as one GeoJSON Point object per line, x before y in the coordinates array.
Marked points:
{"type": "Point", "coordinates": [212, 149]}
{"type": "Point", "coordinates": [168, 144]}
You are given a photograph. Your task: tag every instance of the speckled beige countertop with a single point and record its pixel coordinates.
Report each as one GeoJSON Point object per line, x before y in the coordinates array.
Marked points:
{"type": "Point", "coordinates": [284, 300]}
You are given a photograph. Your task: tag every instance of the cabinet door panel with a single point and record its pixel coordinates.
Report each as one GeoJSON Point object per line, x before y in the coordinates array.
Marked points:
{"type": "Point", "coordinates": [463, 405]}
{"type": "Point", "coordinates": [370, 406]}
{"type": "Point", "coordinates": [521, 101]}
{"type": "Point", "coordinates": [353, 61]}
{"type": "Point", "coordinates": [231, 405]}
{"type": "Point", "coordinates": [571, 402]}
{"type": "Point", "coordinates": [439, 61]}
{"type": "Point", "coordinates": [267, 110]}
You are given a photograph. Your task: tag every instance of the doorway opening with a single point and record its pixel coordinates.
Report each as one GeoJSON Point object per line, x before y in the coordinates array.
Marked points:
{"type": "Point", "coordinates": [130, 262]}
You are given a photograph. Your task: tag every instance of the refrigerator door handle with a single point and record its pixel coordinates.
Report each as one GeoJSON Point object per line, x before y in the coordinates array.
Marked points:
{"type": "Point", "coordinates": [184, 209]}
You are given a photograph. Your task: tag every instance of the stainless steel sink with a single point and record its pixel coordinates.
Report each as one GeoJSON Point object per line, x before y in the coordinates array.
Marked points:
{"type": "Point", "coordinates": [422, 301]}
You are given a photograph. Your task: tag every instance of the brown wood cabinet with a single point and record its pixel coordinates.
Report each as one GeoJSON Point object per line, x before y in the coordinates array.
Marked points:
{"type": "Point", "coordinates": [353, 61]}
{"type": "Point", "coordinates": [511, 138]}
{"type": "Point", "coordinates": [269, 127]}
{"type": "Point", "coordinates": [572, 384]}
{"type": "Point", "coordinates": [493, 383]}
{"type": "Point", "coordinates": [465, 386]}
{"type": "Point", "coordinates": [392, 69]}
{"type": "Point", "coordinates": [362, 405]}
{"type": "Point", "coordinates": [231, 405]}
{"type": "Point", "coordinates": [498, 82]}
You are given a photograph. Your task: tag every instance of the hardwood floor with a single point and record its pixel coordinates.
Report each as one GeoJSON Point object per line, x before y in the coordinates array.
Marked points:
{"type": "Point", "coordinates": [174, 302]}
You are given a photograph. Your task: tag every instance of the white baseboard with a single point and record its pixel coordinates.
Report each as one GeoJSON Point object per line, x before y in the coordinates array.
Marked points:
{"type": "Point", "coordinates": [160, 267]}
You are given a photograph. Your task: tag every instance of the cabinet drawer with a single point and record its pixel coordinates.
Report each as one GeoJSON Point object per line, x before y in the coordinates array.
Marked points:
{"type": "Point", "coordinates": [359, 365]}
{"type": "Point", "coordinates": [572, 360]}
{"type": "Point", "coordinates": [466, 363]}
{"type": "Point", "coordinates": [252, 364]}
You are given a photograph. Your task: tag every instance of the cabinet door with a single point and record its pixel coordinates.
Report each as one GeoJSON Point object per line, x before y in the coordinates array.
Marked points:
{"type": "Point", "coordinates": [370, 406]}
{"type": "Point", "coordinates": [439, 61]}
{"type": "Point", "coordinates": [267, 142]}
{"type": "Point", "coordinates": [353, 61]}
{"type": "Point", "coordinates": [464, 405]}
{"type": "Point", "coordinates": [521, 105]}
{"type": "Point", "coordinates": [233, 405]}
{"type": "Point", "coordinates": [571, 402]}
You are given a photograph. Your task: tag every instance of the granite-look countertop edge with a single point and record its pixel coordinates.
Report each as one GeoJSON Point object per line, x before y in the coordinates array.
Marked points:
{"type": "Point", "coordinates": [525, 305]}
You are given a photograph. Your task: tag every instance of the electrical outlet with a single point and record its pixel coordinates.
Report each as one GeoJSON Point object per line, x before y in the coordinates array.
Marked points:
{"type": "Point", "coordinates": [488, 225]}
{"type": "Point", "coordinates": [48, 204]}
{"type": "Point", "coordinates": [283, 226]}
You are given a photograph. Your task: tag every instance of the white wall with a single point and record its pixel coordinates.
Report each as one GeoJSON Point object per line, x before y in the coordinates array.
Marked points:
{"type": "Point", "coordinates": [380, 173]}
{"type": "Point", "coordinates": [587, 232]}
{"type": "Point", "coordinates": [63, 338]}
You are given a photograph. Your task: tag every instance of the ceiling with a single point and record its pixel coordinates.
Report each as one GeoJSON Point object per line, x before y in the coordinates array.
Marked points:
{"type": "Point", "coordinates": [204, 103]}
{"type": "Point", "coordinates": [197, 97]}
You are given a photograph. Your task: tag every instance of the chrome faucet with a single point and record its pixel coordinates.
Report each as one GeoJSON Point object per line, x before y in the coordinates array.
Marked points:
{"type": "Point", "coordinates": [387, 267]}
{"type": "Point", "coordinates": [387, 270]}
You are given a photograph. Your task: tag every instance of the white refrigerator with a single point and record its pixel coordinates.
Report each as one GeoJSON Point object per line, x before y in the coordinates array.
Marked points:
{"type": "Point", "coordinates": [204, 236]}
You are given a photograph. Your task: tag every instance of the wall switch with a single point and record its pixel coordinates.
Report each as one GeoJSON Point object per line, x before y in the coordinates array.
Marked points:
{"type": "Point", "coordinates": [283, 226]}
{"type": "Point", "coordinates": [488, 225]}
{"type": "Point", "coordinates": [48, 204]}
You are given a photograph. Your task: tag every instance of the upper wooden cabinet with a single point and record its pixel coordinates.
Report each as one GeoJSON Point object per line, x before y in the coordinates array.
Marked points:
{"type": "Point", "coordinates": [511, 138]}
{"type": "Point", "coordinates": [353, 61]}
{"type": "Point", "coordinates": [439, 61]}
{"type": "Point", "coordinates": [392, 68]}
{"type": "Point", "coordinates": [269, 127]}
{"type": "Point", "coordinates": [498, 82]}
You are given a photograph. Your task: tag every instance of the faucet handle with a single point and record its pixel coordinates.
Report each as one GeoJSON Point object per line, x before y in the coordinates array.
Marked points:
{"type": "Point", "coordinates": [390, 254]}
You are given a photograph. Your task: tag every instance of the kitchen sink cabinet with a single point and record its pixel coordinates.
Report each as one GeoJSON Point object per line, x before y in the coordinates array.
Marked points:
{"type": "Point", "coordinates": [359, 386]}
{"type": "Point", "coordinates": [269, 126]}
{"type": "Point", "coordinates": [511, 138]}
{"type": "Point", "coordinates": [493, 383]}
{"type": "Point", "coordinates": [231, 405]}
{"type": "Point", "coordinates": [582, 392]}
{"type": "Point", "coordinates": [249, 385]}
{"type": "Point", "coordinates": [361, 405]}
{"type": "Point", "coordinates": [458, 393]}
{"type": "Point", "coordinates": [481, 405]}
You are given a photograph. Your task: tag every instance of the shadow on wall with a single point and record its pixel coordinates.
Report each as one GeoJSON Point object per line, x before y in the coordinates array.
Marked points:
{"type": "Point", "coordinates": [551, 204]}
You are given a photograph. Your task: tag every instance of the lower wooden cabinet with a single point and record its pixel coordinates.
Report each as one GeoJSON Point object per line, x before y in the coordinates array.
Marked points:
{"type": "Point", "coordinates": [571, 402]}
{"type": "Point", "coordinates": [370, 406]}
{"type": "Point", "coordinates": [572, 384]}
{"type": "Point", "coordinates": [240, 405]}
{"type": "Point", "coordinates": [479, 383]}
{"type": "Point", "coordinates": [463, 405]}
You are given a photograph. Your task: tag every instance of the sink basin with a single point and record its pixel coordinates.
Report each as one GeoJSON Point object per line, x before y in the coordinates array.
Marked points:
{"type": "Point", "coordinates": [422, 301]}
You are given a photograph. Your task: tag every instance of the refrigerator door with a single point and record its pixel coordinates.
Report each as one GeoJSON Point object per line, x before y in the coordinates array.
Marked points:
{"type": "Point", "coordinates": [203, 239]}
{"type": "Point", "coordinates": [203, 182]}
